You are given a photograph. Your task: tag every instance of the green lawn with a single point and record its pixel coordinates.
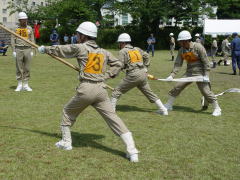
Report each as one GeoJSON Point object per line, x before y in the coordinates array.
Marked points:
{"type": "Point", "coordinates": [187, 144]}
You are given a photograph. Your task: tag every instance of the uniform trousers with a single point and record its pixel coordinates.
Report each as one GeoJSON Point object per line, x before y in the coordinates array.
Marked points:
{"type": "Point", "coordinates": [235, 60]}
{"type": "Point", "coordinates": [172, 47]}
{"type": "Point", "coordinates": [94, 94]}
{"type": "Point", "coordinates": [23, 60]}
{"type": "Point", "coordinates": [213, 53]}
{"type": "Point", "coordinates": [204, 88]}
{"type": "Point", "coordinates": [137, 78]}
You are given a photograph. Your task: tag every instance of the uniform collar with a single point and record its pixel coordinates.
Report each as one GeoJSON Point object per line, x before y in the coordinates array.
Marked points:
{"type": "Point", "coordinates": [191, 45]}
{"type": "Point", "coordinates": [129, 46]}
{"type": "Point", "coordinates": [91, 43]}
{"type": "Point", "coordinates": [18, 26]}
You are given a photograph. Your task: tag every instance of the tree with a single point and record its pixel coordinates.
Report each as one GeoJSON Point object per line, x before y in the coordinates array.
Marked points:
{"type": "Point", "coordinates": [228, 9]}
{"type": "Point", "coordinates": [21, 6]}
{"type": "Point", "coordinates": [145, 13]}
{"type": "Point", "coordinates": [149, 13]}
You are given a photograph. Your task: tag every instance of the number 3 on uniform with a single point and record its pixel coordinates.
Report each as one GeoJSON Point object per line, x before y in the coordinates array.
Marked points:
{"type": "Point", "coordinates": [94, 64]}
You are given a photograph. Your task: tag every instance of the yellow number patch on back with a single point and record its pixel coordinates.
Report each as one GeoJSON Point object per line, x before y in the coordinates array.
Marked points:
{"type": "Point", "coordinates": [135, 56]}
{"type": "Point", "coordinates": [190, 57]}
{"type": "Point", "coordinates": [22, 32]}
{"type": "Point", "coordinates": [94, 64]}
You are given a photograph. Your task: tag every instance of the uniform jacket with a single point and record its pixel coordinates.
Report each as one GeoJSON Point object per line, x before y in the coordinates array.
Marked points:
{"type": "Point", "coordinates": [235, 46]}
{"type": "Point", "coordinates": [92, 60]}
{"type": "Point", "coordinates": [198, 40]}
{"type": "Point", "coordinates": [172, 41]}
{"type": "Point", "coordinates": [151, 40]}
{"type": "Point", "coordinates": [225, 46]}
{"type": "Point", "coordinates": [133, 58]}
{"type": "Point", "coordinates": [24, 32]}
{"type": "Point", "coordinates": [214, 45]}
{"type": "Point", "coordinates": [196, 59]}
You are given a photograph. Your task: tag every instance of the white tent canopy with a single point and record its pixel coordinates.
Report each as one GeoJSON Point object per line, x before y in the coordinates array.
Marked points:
{"type": "Point", "coordinates": [221, 27]}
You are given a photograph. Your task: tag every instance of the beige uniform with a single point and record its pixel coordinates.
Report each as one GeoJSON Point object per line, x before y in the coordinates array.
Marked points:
{"type": "Point", "coordinates": [23, 52]}
{"type": "Point", "coordinates": [134, 61]}
{"type": "Point", "coordinates": [93, 62]}
{"type": "Point", "coordinates": [214, 48]}
{"type": "Point", "coordinates": [198, 40]}
{"type": "Point", "coordinates": [225, 49]}
{"type": "Point", "coordinates": [197, 64]}
{"type": "Point", "coordinates": [172, 46]}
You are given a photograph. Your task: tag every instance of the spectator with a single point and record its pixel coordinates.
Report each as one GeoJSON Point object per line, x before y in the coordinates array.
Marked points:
{"type": "Point", "coordinates": [151, 41]}
{"type": "Point", "coordinates": [98, 24]}
{"type": "Point", "coordinates": [235, 46]}
{"type": "Point", "coordinates": [65, 39]}
{"type": "Point", "coordinates": [54, 38]}
{"type": "Point", "coordinates": [3, 47]}
{"type": "Point", "coordinates": [73, 39]}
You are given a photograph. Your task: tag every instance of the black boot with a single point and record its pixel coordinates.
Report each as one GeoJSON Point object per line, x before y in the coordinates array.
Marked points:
{"type": "Point", "coordinates": [219, 62]}
{"type": "Point", "coordinates": [225, 63]}
{"type": "Point", "coordinates": [172, 58]}
{"type": "Point", "coordinates": [204, 108]}
{"type": "Point", "coordinates": [234, 73]}
{"type": "Point", "coordinates": [214, 65]}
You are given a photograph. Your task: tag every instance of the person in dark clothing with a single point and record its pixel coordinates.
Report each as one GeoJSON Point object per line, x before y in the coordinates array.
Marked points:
{"type": "Point", "coordinates": [3, 48]}
{"type": "Point", "coordinates": [151, 41]}
{"type": "Point", "coordinates": [54, 38]}
{"type": "Point", "coordinates": [235, 47]}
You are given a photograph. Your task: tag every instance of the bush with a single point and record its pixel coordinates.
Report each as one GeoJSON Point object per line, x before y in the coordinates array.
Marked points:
{"type": "Point", "coordinates": [107, 37]}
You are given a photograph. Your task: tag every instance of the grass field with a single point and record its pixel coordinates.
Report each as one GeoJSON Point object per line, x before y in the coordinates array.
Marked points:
{"type": "Point", "coordinates": [187, 145]}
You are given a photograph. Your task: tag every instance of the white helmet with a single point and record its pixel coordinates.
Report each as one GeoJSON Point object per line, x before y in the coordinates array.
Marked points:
{"type": "Point", "coordinates": [184, 35]}
{"type": "Point", "coordinates": [171, 34]}
{"type": "Point", "coordinates": [197, 35]}
{"type": "Point", "coordinates": [124, 37]}
{"type": "Point", "coordinates": [22, 15]}
{"type": "Point", "coordinates": [214, 35]}
{"type": "Point", "coordinates": [88, 28]}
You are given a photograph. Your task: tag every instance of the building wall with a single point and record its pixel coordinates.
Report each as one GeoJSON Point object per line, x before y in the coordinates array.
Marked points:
{"type": "Point", "coordinates": [119, 19]}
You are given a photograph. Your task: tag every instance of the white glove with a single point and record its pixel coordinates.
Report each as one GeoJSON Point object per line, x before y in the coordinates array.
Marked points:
{"type": "Point", "coordinates": [31, 53]}
{"type": "Point", "coordinates": [14, 55]}
{"type": "Point", "coordinates": [206, 78]}
{"type": "Point", "coordinates": [41, 49]}
{"type": "Point", "coordinates": [170, 78]}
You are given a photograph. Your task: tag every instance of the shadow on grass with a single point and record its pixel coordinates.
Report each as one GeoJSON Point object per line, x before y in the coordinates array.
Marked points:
{"type": "Point", "coordinates": [127, 108]}
{"type": "Point", "coordinates": [189, 109]}
{"type": "Point", "coordinates": [12, 87]}
{"type": "Point", "coordinates": [79, 140]}
{"type": "Point", "coordinates": [224, 73]}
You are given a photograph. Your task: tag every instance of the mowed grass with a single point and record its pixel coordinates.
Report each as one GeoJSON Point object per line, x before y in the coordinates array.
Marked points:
{"type": "Point", "coordinates": [187, 144]}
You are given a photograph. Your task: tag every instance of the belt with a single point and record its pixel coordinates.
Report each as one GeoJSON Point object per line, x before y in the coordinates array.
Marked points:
{"type": "Point", "coordinates": [23, 47]}
{"type": "Point", "coordinates": [90, 81]}
{"type": "Point", "coordinates": [135, 69]}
